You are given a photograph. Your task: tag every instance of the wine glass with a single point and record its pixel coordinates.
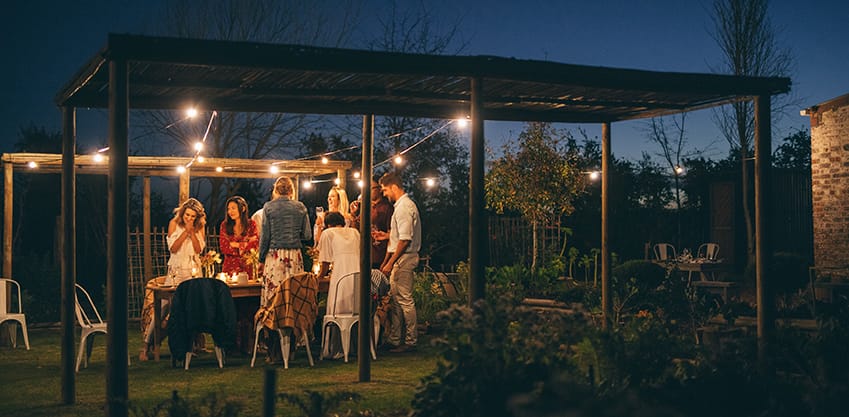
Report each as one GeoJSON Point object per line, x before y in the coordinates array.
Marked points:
{"type": "Point", "coordinates": [171, 279]}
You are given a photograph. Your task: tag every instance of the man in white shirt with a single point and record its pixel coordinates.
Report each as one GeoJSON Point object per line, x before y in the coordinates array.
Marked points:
{"type": "Point", "coordinates": [402, 257]}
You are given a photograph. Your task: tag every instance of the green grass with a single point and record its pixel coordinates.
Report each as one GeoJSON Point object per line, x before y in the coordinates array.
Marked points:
{"type": "Point", "coordinates": [30, 381]}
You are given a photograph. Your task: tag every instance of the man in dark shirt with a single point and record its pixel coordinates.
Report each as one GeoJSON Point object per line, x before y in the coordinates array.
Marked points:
{"type": "Point", "coordinates": [381, 218]}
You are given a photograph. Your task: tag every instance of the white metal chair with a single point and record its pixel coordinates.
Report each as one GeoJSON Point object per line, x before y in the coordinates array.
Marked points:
{"type": "Point", "coordinates": [346, 321]}
{"type": "Point", "coordinates": [18, 316]}
{"type": "Point", "coordinates": [709, 251]}
{"type": "Point", "coordinates": [91, 323]}
{"type": "Point", "coordinates": [292, 311]}
{"type": "Point", "coordinates": [665, 252]}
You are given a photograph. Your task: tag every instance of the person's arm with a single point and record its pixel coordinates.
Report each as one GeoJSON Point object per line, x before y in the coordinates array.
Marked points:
{"type": "Point", "coordinates": [225, 243]}
{"type": "Point", "coordinates": [175, 242]}
{"type": "Point", "coordinates": [264, 239]}
{"type": "Point", "coordinates": [391, 258]}
{"type": "Point", "coordinates": [252, 237]}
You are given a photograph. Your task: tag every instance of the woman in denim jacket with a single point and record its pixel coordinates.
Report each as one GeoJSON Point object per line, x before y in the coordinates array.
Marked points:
{"type": "Point", "coordinates": [284, 228]}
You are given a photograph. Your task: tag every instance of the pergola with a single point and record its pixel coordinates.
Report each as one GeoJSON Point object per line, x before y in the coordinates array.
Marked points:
{"type": "Point", "coordinates": [166, 73]}
{"type": "Point", "coordinates": [147, 167]}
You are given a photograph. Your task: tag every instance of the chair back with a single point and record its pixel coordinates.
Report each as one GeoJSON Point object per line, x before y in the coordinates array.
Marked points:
{"type": "Point", "coordinates": [5, 284]}
{"type": "Point", "coordinates": [87, 315]}
{"type": "Point", "coordinates": [709, 251]}
{"type": "Point", "coordinates": [356, 294]}
{"type": "Point", "coordinates": [664, 252]}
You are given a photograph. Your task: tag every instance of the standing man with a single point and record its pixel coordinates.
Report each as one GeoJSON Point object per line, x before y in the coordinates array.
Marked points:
{"type": "Point", "coordinates": [381, 218]}
{"type": "Point", "coordinates": [402, 257]}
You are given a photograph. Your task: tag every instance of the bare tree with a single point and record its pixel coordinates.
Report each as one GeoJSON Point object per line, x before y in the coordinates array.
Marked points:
{"type": "Point", "coordinates": [239, 134]}
{"type": "Point", "coordinates": [672, 142]}
{"type": "Point", "coordinates": [745, 35]}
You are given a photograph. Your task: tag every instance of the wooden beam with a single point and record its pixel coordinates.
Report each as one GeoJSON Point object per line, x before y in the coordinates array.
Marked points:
{"type": "Point", "coordinates": [365, 328]}
{"type": "Point", "coordinates": [763, 249]}
{"type": "Point", "coordinates": [8, 204]}
{"type": "Point", "coordinates": [117, 390]}
{"type": "Point", "coordinates": [477, 215]}
{"type": "Point", "coordinates": [69, 255]}
{"type": "Point", "coordinates": [606, 167]}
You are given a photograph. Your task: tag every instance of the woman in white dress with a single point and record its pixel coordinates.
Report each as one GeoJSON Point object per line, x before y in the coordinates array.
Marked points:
{"type": "Point", "coordinates": [186, 239]}
{"type": "Point", "coordinates": [339, 246]}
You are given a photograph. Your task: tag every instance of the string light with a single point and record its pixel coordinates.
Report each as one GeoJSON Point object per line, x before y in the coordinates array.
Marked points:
{"type": "Point", "coordinates": [324, 160]}
{"type": "Point", "coordinates": [32, 165]}
{"type": "Point", "coordinates": [360, 183]}
{"type": "Point", "coordinates": [430, 182]}
{"type": "Point", "coordinates": [219, 169]}
{"type": "Point", "coordinates": [356, 174]}
{"type": "Point", "coordinates": [398, 159]}
{"type": "Point", "coordinates": [98, 157]}
{"type": "Point", "coordinates": [307, 184]}
{"type": "Point", "coordinates": [191, 112]}
{"type": "Point", "coordinates": [679, 170]}
{"type": "Point", "coordinates": [201, 159]}
{"type": "Point", "coordinates": [337, 181]}
{"type": "Point", "coordinates": [181, 169]}
{"type": "Point", "coordinates": [274, 169]}
{"type": "Point", "coordinates": [594, 175]}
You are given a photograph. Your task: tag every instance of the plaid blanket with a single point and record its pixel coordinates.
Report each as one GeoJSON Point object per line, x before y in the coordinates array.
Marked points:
{"type": "Point", "coordinates": [294, 305]}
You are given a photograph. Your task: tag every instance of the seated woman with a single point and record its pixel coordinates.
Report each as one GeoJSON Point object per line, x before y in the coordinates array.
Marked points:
{"type": "Point", "coordinates": [237, 235]}
{"type": "Point", "coordinates": [340, 246]}
{"type": "Point", "coordinates": [186, 239]}
{"type": "Point", "coordinates": [337, 200]}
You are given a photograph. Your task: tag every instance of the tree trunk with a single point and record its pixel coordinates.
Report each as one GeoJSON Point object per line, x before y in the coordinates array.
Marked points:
{"type": "Point", "coordinates": [534, 246]}
{"type": "Point", "coordinates": [747, 212]}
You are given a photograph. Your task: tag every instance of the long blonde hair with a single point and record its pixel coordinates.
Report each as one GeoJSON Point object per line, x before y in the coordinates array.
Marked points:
{"type": "Point", "coordinates": [193, 204]}
{"type": "Point", "coordinates": [343, 199]}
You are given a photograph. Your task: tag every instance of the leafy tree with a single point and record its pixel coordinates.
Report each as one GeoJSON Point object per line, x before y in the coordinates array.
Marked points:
{"type": "Point", "coordinates": [540, 180]}
{"type": "Point", "coordinates": [794, 152]}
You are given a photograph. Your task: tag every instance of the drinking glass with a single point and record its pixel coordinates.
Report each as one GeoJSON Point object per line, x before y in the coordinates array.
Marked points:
{"type": "Point", "coordinates": [319, 212]}
{"type": "Point", "coordinates": [171, 279]}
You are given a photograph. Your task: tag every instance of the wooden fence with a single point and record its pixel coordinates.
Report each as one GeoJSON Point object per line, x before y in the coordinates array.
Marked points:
{"type": "Point", "coordinates": [158, 260]}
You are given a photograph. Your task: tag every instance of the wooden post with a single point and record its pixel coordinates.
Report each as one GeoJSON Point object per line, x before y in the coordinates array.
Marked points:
{"type": "Point", "coordinates": [116, 274]}
{"type": "Point", "coordinates": [365, 328]}
{"type": "Point", "coordinates": [477, 215]}
{"type": "Point", "coordinates": [8, 203]}
{"type": "Point", "coordinates": [148, 255]}
{"type": "Point", "coordinates": [606, 305]}
{"type": "Point", "coordinates": [69, 251]}
{"type": "Point", "coordinates": [763, 249]}
{"type": "Point", "coordinates": [343, 182]}
{"type": "Point", "coordinates": [184, 186]}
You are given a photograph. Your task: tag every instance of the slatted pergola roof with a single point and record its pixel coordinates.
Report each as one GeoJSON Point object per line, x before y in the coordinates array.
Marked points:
{"type": "Point", "coordinates": [170, 73]}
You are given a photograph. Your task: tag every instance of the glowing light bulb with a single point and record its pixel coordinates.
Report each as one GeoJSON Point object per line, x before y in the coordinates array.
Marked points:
{"type": "Point", "coordinates": [430, 182]}
{"type": "Point", "coordinates": [198, 146]}
{"type": "Point", "coordinates": [323, 159]}
{"type": "Point", "coordinates": [191, 112]}
{"type": "Point", "coordinates": [181, 169]}
{"type": "Point", "coordinates": [98, 157]}
{"type": "Point", "coordinates": [360, 183]}
{"type": "Point", "coordinates": [399, 160]}
{"type": "Point", "coordinates": [679, 169]}
{"type": "Point", "coordinates": [32, 164]}
{"type": "Point", "coordinates": [201, 159]}
{"type": "Point", "coordinates": [594, 175]}
{"type": "Point", "coordinates": [356, 174]}
{"type": "Point", "coordinates": [462, 122]}
{"type": "Point", "coordinates": [337, 181]}
{"type": "Point", "coordinates": [307, 185]}
{"type": "Point", "coordinates": [274, 169]}
{"type": "Point", "coordinates": [219, 169]}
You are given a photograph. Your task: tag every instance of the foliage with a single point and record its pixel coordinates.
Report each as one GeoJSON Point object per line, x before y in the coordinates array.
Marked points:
{"type": "Point", "coordinates": [636, 285]}
{"type": "Point", "coordinates": [787, 272]}
{"type": "Point", "coordinates": [490, 351]}
{"type": "Point", "coordinates": [794, 151]}
{"type": "Point", "coordinates": [209, 406]}
{"type": "Point", "coordinates": [540, 180]}
{"type": "Point", "coordinates": [39, 278]}
{"type": "Point", "coordinates": [317, 404]}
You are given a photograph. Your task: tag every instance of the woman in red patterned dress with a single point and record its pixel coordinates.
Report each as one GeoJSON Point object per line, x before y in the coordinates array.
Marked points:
{"type": "Point", "coordinates": [237, 235]}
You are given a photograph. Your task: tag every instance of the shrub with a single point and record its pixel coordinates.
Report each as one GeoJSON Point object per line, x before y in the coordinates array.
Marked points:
{"type": "Point", "coordinates": [490, 352]}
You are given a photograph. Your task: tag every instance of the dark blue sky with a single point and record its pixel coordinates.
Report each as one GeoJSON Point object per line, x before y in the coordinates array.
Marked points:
{"type": "Point", "coordinates": [46, 42]}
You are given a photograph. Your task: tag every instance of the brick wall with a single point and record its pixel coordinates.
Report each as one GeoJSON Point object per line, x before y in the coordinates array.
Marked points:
{"type": "Point", "coordinates": [830, 182]}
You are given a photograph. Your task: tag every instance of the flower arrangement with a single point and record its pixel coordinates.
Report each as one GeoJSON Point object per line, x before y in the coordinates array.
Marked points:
{"type": "Point", "coordinates": [251, 258]}
{"type": "Point", "coordinates": [207, 260]}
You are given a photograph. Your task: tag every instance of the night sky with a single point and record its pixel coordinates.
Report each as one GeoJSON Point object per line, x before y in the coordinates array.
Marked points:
{"type": "Point", "coordinates": [45, 42]}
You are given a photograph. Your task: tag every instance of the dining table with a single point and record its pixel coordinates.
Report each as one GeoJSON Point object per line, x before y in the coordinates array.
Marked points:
{"type": "Point", "coordinates": [165, 291]}
{"type": "Point", "coordinates": [162, 290]}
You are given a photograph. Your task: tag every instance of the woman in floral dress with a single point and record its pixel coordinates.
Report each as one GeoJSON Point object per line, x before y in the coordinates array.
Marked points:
{"type": "Point", "coordinates": [237, 236]}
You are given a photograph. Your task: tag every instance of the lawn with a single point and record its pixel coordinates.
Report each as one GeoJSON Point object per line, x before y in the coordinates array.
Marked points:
{"type": "Point", "coordinates": [30, 381]}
